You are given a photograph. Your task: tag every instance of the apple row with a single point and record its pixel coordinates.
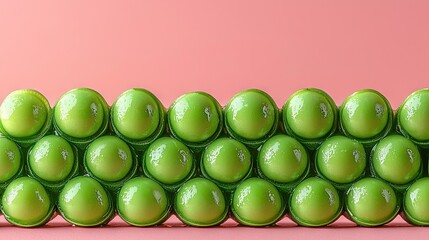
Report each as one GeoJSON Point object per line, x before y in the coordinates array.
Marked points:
{"type": "Point", "coordinates": [196, 118]}
{"type": "Point", "coordinates": [199, 202]}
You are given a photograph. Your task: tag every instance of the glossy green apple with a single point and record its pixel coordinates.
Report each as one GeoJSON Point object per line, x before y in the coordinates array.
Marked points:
{"type": "Point", "coordinates": [371, 202]}
{"type": "Point", "coordinates": [310, 114]}
{"type": "Point", "coordinates": [416, 198]}
{"type": "Point", "coordinates": [365, 114]}
{"type": "Point", "coordinates": [282, 159]}
{"type": "Point", "coordinates": [24, 113]}
{"type": "Point", "coordinates": [226, 160]}
{"type": "Point", "coordinates": [341, 159]}
{"type": "Point", "coordinates": [256, 202]}
{"type": "Point", "coordinates": [10, 159]}
{"type": "Point", "coordinates": [199, 202]}
{"type": "Point", "coordinates": [315, 202]}
{"type": "Point", "coordinates": [195, 117]}
{"type": "Point", "coordinates": [137, 114]}
{"type": "Point", "coordinates": [80, 113]}
{"type": "Point", "coordinates": [142, 202]}
{"type": "Point", "coordinates": [413, 115]}
{"type": "Point", "coordinates": [168, 161]}
{"type": "Point", "coordinates": [251, 115]}
{"type": "Point", "coordinates": [26, 203]}
{"type": "Point", "coordinates": [108, 158]}
{"type": "Point", "coordinates": [51, 159]}
{"type": "Point", "coordinates": [84, 202]}
{"type": "Point", "coordinates": [396, 159]}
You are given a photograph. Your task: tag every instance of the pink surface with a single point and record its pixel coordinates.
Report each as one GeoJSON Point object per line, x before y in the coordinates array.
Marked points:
{"type": "Point", "coordinates": [174, 229]}
{"type": "Point", "coordinates": [222, 47]}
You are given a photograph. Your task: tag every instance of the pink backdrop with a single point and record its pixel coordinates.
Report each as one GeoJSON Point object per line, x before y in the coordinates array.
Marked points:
{"type": "Point", "coordinates": [222, 47]}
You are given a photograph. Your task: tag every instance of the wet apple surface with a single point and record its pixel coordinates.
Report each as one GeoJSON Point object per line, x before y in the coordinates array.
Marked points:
{"type": "Point", "coordinates": [51, 159]}
{"type": "Point", "coordinates": [26, 203]}
{"type": "Point", "coordinates": [371, 202]}
{"type": "Point", "coordinates": [226, 160]}
{"type": "Point", "coordinates": [80, 113]}
{"type": "Point", "coordinates": [143, 202]}
{"type": "Point", "coordinates": [282, 159]}
{"type": "Point", "coordinates": [251, 115]}
{"type": "Point", "coordinates": [310, 114]}
{"type": "Point", "coordinates": [396, 159]}
{"type": "Point", "coordinates": [315, 202]}
{"type": "Point", "coordinates": [341, 160]}
{"type": "Point", "coordinates": [10, 159]}
{"type": "Point", "coordinates": [84, 202]}
{"type": "Point", "coordinates": [365, 114]}
{"type": "Point", "coordinates": [195, 117]}
{"type": "Point", "coordinates": [137, 114]}
{"type": "Point", "coordinates": [108, 158]}
{"type": "Point", "coordinates": [257, 202]}
{"type": "Point", "coordinates": [168, 161]}
{"type": "Point", "coordinates": [24, 114]}
{"type": "Point", "coordinates": [416, 209]}
{"type": "Point", "coordinates": [413, 116]}
{"type": "Point", "coordinates": [199, 202]}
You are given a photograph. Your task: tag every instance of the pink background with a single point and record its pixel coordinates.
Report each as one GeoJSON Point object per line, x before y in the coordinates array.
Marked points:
{"type": "Point", "coordinates": [221, 47]}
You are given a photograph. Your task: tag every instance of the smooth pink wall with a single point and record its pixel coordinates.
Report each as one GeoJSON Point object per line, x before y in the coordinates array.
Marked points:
{"type": "Point", "coordinates": [222, 47]}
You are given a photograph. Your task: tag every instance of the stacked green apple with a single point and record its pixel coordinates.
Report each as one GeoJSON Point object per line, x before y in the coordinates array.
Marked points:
{"type": "Point", "coordinates": [310, 160]}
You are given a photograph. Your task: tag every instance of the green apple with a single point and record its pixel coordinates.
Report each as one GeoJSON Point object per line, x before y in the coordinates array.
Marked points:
{"type": "Point", "coordinates": [168, 161]}
{"type": "Point", "coordinates": [315, 202]}
{"type": "Point", "coordinates": [51, 159]}
{"type": "Point", "coordinates": [251, 115]}
{"type": "Point", "coordinates": [371, 202]}
{"type": "Point", "coordinates": [80, 113]}
{"type": "Point", "coordinates": [199, 202]}
{"type": "Point", "coordinates": [283, 159]}
{"type": "Point", "coordinates": [108, 158]}
{"type": "Point", "coordinates": [26, 203]}
{"type": "Point", "coordinates": [84, 202]}
{"type": "Point", "coordinates": [256, 202]}
{"type": "Point", "coordinates": [341, 159]}
{"type": "Point", "coordinates": [142, 202]}
{"type": "Point", "coordinates": [365, 114]}
{"type": "Point", "coordinates": [10, 159]}
{"type": "Point", "coordinates": [24, 113]}
{"type": "Point", "coordinates": [396, 159]}
{"type": "Point", "coordinates": [137, 114]}
{"type": "Point", "coordinates": [195, 117]}
{"type": "Point", "coordinates": [226, 161]}
{"type": "Point", "coordinates": [413, 115]}
{"type": "Point", "coordinates": [310, 114]}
